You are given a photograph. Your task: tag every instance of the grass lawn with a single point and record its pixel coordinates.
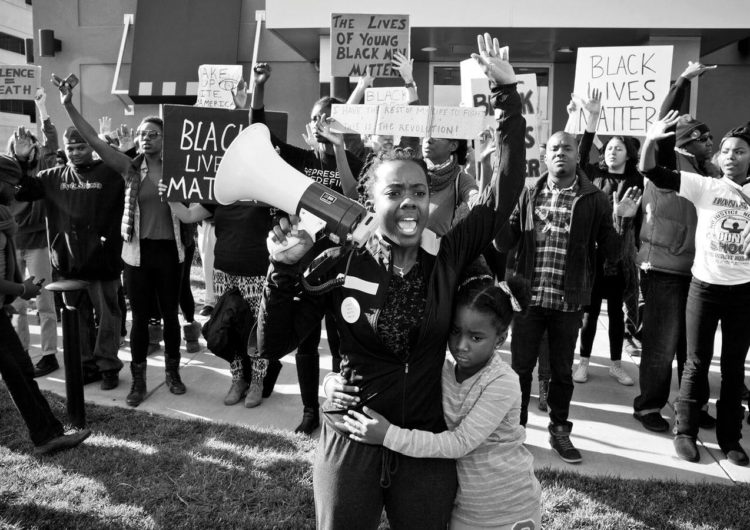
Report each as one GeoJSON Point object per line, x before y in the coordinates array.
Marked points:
{"type": "Point", "coordinates": [140, 470]}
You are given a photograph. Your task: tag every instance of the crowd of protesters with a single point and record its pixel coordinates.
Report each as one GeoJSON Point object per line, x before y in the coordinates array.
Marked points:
{"type": "Point", "coordinates": [666, 229]}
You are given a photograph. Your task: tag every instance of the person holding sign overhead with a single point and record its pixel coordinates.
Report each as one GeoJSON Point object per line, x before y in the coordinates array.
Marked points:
{"type": "Point", "coordinates": [152, 250]}
{"type": "Point", "coordinates": [393, 313]}
{"type": "Point", "coordinates": [331, 165]}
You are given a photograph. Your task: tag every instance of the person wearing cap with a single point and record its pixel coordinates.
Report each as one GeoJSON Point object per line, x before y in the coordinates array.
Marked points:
{"type": "Point", "coordinates": [83, 201]}
{"type": "Point", "coordinates": [719, 290]}
{"type": "Point", "coordinates": [31, 240]}
{"type": "Point", "coordinates": [45, 430]}
{"type": "Point", "coordinates": [665, 257]}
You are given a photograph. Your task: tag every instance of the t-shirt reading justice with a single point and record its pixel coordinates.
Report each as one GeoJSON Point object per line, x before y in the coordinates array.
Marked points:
{"type": "Point", "coordinates": [722, 216]}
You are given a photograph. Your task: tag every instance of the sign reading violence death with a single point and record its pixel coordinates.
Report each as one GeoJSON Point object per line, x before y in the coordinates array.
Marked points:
{"type": "Point", "coordinates": [408, 120]}
{"type": "Point", "coordinates": [363, 44]}
{"type": "Point", "coordinates": [216, 83]}
{"type": "Point", "coordinates": [633, 81]}
{"type": "Point", "coordinates": [195, 140]}
{"type": "Point", "coordinates": [19, 81]}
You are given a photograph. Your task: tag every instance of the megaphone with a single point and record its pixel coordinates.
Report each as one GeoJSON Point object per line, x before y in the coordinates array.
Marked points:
{"type": "Point", "coordinates": [251, 169]}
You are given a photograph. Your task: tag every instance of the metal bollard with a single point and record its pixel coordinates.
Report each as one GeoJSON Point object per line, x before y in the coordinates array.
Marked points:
{"type": "Point", "coordinates": [71, 290]}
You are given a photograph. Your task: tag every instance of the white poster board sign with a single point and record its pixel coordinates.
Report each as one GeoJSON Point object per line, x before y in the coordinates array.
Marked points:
{"type": "Point", "coordinates": [215, 85]}
{"type": "Point", "coordinates": [362, 43]}
{"type": "Point", "coordinates": [633, 81]}
{"type": "Point", "coordinates": [392, 95]}
{"type": "Point", "coordinates": [19, 81]}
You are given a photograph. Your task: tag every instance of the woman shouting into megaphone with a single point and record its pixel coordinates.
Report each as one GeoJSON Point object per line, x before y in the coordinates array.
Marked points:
{"type": "Point", "coordinates": [393, 314]}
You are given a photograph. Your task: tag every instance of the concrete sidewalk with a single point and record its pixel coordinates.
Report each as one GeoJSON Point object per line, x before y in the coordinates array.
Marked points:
{"type": "Point", "coordinates": [612, 442]}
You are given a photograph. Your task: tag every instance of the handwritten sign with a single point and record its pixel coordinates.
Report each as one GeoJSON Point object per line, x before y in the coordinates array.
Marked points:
{"type": "Point", "coordinates": [215, 85]}
{"type": "Point", "coordinates": [363, 44]}
{"type": "Point", "coordinates": [392, 95]}
{"type": "Point", "coordinates": [633, 81]}
{"type": "Point", "coordinates": [408, 120]}
{"type": "Point", "coordinates": [19, 81]}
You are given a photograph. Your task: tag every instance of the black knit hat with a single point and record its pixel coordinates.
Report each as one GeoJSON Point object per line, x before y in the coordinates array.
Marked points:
{"type": "Point", "coordinates": [689, 129]}
{"type": "Point", "coordinates": [10, 171]}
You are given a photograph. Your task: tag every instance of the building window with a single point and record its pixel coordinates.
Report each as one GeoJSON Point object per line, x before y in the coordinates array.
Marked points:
{"type": "Point", "coordinates": [12, 44]}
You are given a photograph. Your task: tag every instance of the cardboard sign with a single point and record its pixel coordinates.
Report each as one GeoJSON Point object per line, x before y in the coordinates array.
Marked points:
{"type": "Point", "coordinates": [215, 85]}
{"type": "Point", "coordinates": [408, 120]}
{"type": "Point", "coordinates": [633, 81]}
{"type": "Point", "coordinates": [19, 81]}
{"type": "Point", "coordinates": [392, 95]}
{"type": "Point", "coordinates": [363, 44]}
{"type": "Point", "coordinates": [195, 140]}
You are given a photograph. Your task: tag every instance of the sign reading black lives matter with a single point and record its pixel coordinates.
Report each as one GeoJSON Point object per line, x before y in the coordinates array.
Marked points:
{"type": "Point", "coordinates": [363, 44]}
{"type": "Point", "coordinates": [195, 140]}
{"type": "Point", "coordinates": [633, 81]}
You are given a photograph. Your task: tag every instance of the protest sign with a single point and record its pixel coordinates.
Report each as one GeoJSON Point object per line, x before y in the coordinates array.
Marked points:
{"type": "Point", "coordinates": [363, 44]}
{"type": "Point", "coordinates": [391, 95]}
{"type": "Point", "coordinates": [408, 120]}
{"type": "Point", "coordinates": [633, 81]}
{"type": "Point", "coordinates": [19, 81]}
{"type": "Point", "coordinates": [215, 85]}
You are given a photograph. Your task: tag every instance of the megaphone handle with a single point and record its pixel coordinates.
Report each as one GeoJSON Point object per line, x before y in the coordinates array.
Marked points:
{"type": "Point", "coordinates": [276, 248]}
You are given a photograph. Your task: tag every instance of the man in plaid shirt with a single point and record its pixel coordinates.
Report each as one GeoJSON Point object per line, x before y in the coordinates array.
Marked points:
{"type": "Point", "coordinates": [557, 225]}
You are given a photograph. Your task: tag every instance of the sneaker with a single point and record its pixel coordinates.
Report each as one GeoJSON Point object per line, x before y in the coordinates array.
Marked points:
{"type": "Point", "coordinates": [686, 448]}
{"type": "Point", "coordinates": [559, 440]}
{"type": "Point", "coordinates": [735, 454]}
{"type": "Point", "coordinates": [543, 393]}
{"type": "Point", "coordinates": [705, 420]}
{"type": "Point", "coordinates": [206, 311]}
{"type": "Point", "coordinates": [110, 380]}
{"type": "Point", "coordinates": [62, 442]}
{"type": "Point", "coordinates": [46, 365]}
{"type": "Point", "coordinates": [652, 421]}
{"type": "Point", "coordinates": [618, 372]}
{"type": "Point", "coordinates": [632, 346]}
{"type": "Point", "coordinates": [581, 375]}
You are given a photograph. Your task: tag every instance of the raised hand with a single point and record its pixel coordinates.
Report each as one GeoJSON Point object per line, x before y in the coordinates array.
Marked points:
{"type": "Point", "coordinates": [405, 67]}
{"type": "Point", "coordinates": [365, 81]}
{"type": "Point", "coordinates": [105, 125]}
{"type": "Point", "coordinates": [658, 129]}
{"type": "Point", "coordinates": [126, 138]}
{"type": "Point", "coordinates": [631, 201]}
{"type": "Point", "coordinates": [591, 104]}
{"type": "Point", "coordinates": [309, 136]}
{"type": "Point", "coordinates": [40, 98]}
{"type": "Point", "coordinates": [261, 73]}
{"type": "Point", "coordinates": [323, 126]}
{"type": "Point", "coordinates": [494, 60]}
{"type": "Point", "coordinates": [695, 69]}
{"type": "Point", "coordinates": [66, 93]}
{"type": "Point", "coordinates": [23, 143]}
{"type": "Point", "coordinates": [239, 94]}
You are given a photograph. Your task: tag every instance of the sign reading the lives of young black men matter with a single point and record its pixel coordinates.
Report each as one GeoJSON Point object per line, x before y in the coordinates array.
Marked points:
{"type": "Point", "coordinates": [362, 44]}
{"type": "Point", "coordinates": [19, 81]}
{"type": "Point", "coordinates": [195, 140]}
{"type": "Point", "coordinates": [633, 81]}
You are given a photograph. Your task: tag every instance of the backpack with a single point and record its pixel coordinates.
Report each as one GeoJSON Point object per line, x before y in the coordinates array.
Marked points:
{"type": "Point", "coordinates": [228, 329]}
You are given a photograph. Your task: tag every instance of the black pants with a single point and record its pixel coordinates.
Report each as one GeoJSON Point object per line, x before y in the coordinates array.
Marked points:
{"type": "Point", "coordinates": [157, 278]}
{"type": "Point", "coordinates": [18, 375]}
{"type": "Point", "coordinates": [612, 289]}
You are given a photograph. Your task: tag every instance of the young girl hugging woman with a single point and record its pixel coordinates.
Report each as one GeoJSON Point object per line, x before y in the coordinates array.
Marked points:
{"type": "Point", "coordinates": [482, 407]}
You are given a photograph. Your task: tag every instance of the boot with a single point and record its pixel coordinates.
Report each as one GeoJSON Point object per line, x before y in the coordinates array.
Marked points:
{"type": "Point", "coordinates": [272, 374]}
{"type": "Point", "coordinates": [172, 376]}
{"type": "Point", "coordinates": [258, 368]}
{"type": "Point", "coordinates": [308, 374]}
{"type": "Point", "coordinates": [192, 332]}
{"type": "Point", "coordinates": [138, 387]}
{"type": "Point", "coordinates": [543, 393]}
{"type": "Point", "coordinates": [239, 386]}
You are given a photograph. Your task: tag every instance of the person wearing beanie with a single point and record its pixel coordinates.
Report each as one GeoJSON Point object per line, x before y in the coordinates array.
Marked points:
{"type": "Point", "coordinates": [83, 203]}
{"type": "Point", "coordinates": [665, 268]}
{"type": "Point", "coordinates": [45, 430]}
{"type": "Point", "coordinates": [719, 290]}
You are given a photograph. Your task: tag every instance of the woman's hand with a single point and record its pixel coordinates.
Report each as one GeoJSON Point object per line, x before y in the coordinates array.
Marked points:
{"type": "Point", "coordinates": [323, 126]}
{"type": "Point", "coordinates": [286, 243]}
{"type": "Point", "coordinates": [125, 137]}
{"type": "Point", "coordinates": [342, 392]}
{"type": "Point", "coordinates": [370, 430]}
{"type": "Point", "coordinates": [405, 67]}
{"type": "Point", "coordinates": [66, 93]}
{"type": "Point", "coordinates": [695, 69]}
{"type": "Point", "coordinates": [261, 73]}
{"type": "Point", "coordinates": [239, 94]}
{"type": "Point", "coordinates": [365, 81]}
{"type": "Point", "coordinates": [23, 143]}
{"type": "Point", "coordinates": [494, 60]}
{"type": "Point", "coordinates": [631, 201]}
{"type": "Point", "coordinates": [658, 129]}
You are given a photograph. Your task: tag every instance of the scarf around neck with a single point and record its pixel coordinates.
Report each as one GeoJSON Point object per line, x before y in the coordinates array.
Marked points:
{"type": "Point", "coordinates": [443, 175]}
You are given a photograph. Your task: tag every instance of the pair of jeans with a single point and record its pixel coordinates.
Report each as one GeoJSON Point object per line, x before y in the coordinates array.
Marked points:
{"type": "Point", "coordinates": [611, 288]}
{"type": "Point", "coordinates": [663, 336]}
{"type": "Point", "coordinates": [707, 305]}
{"type": "Point", "coordinates": [562, 332]}
{"type": "Point", "coordinates": [36, 262]}
{"type": "Point", "coordinates": [156, 279]}
{"type": "Point", "coordinates": [18, 376]}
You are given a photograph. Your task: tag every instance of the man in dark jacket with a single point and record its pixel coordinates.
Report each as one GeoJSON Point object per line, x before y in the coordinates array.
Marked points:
{"type": "Point", "coordinates": [558, 224]}
{"type": "Point", "coordinates": [83, 202]}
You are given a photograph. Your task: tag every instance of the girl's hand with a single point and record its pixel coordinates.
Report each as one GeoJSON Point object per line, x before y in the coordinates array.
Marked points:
{"type": "Point", "coordinates": [286, 243]}
{"type": "Point", "coordinates": [658, 129]}
{"type": "Point", "coordinates": [323, 127]}
{"type": "Point", "coordinates": [341, 392]}
{"type": "Point", "coordinates": [494, 60]}
{"type": "Point", "coordinates": [631, 201]}
{"type": "Point", "coordinates": [370, 430]}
